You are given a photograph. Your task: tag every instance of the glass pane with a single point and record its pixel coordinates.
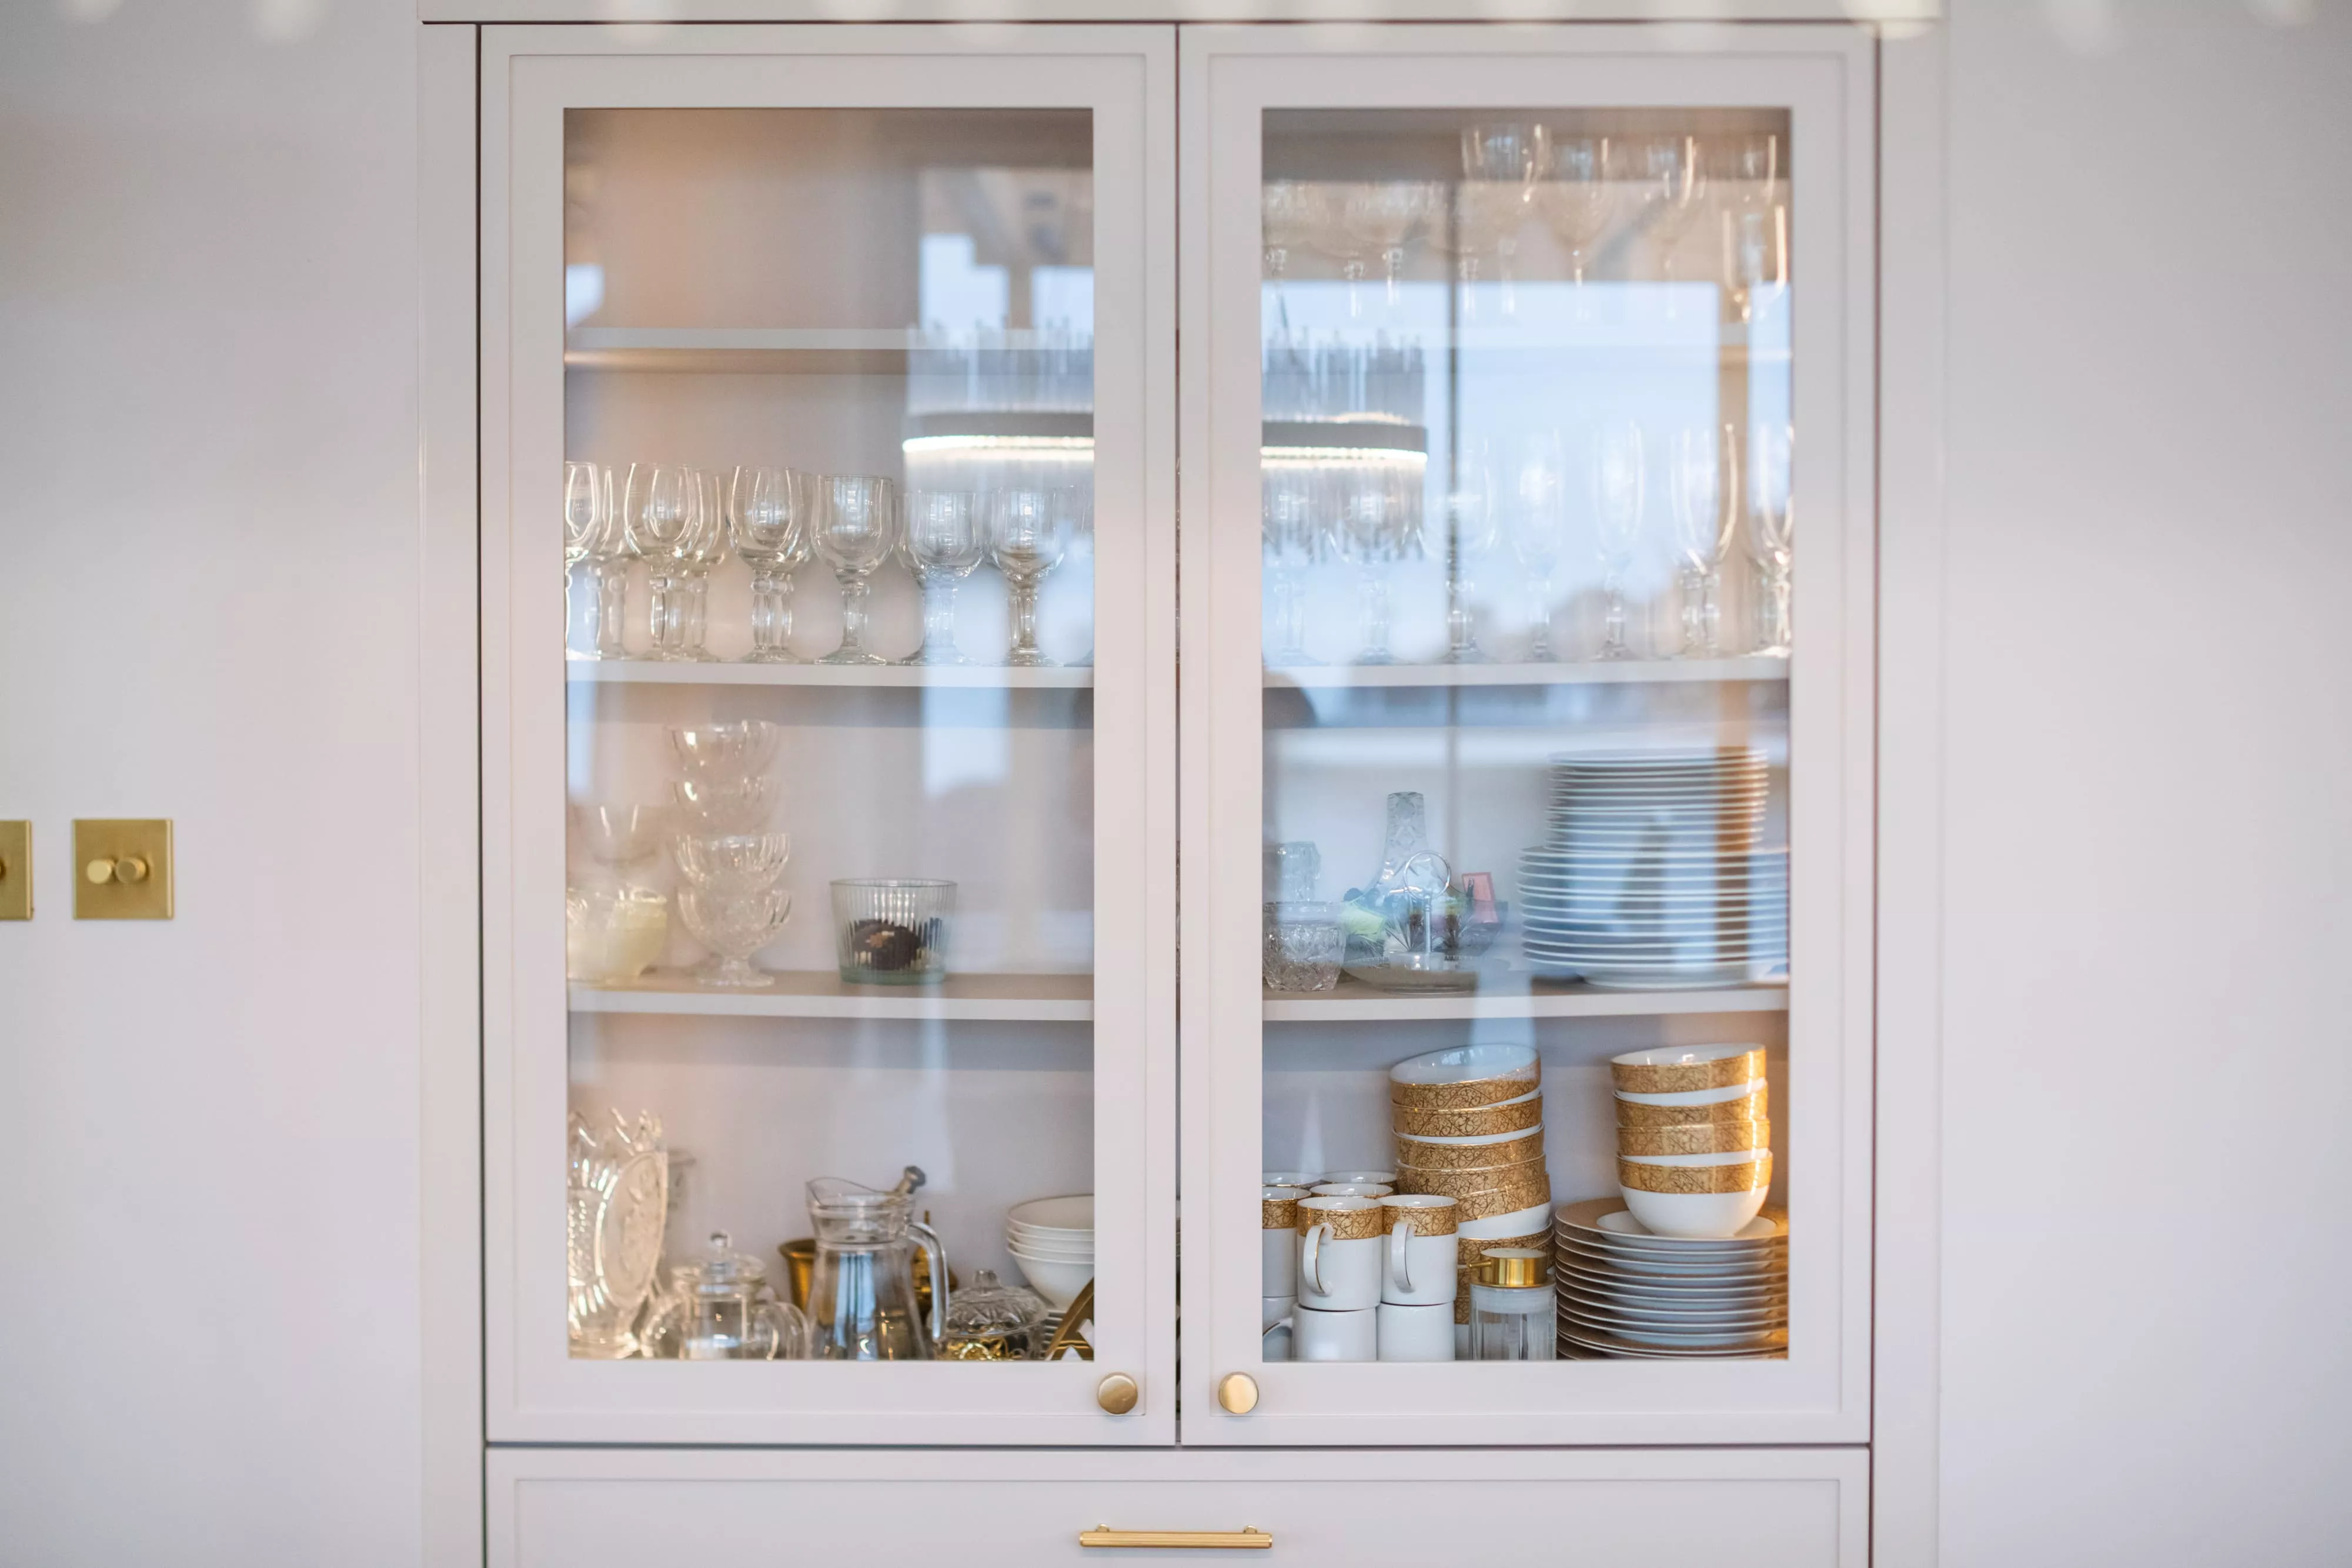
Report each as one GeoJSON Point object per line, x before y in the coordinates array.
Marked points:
{"type": "Point", "coordinates": [1526, 529]}
{"type": "Point", "coordinates": [829, 396]}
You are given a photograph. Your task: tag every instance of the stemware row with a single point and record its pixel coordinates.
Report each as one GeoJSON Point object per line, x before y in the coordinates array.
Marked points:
{"type": "Point", "coordinates": [681, 521]}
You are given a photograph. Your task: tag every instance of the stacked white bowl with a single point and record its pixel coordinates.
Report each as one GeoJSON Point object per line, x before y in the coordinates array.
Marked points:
{"type": "Point", "coordinates": [1693, 1138]}
{"type": "Point", "coordinates": [1051, 1241]}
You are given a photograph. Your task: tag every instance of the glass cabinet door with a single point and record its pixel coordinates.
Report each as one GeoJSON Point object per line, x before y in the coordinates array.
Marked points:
{"type": "Point", "coordinates": [839, 958]}
{"type": "Point", "coordinates": [1533, 1025]}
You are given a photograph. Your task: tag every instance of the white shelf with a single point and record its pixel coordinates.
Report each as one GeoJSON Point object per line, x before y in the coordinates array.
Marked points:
{"type": "Point", "coordinates": [1508, 996]}
{"type": "Point", "coordinates": [1622, 671]}
{"type": "Point", "coordinates": [820, 994]}
{"type": "Point", "coordinates": [747, 350]}
{"type": "Point", "coordinates": [662, 672]}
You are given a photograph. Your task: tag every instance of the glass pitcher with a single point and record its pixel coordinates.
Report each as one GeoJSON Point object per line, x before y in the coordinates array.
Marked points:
{"type": "Point", "coordinates": [721, 1309]}
{"type": "Point", "coordinates": [862, 1302]}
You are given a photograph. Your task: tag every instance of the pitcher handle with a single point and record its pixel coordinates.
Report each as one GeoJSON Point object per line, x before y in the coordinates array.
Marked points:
{"type": "Point", "coordinates": [938, 1254]}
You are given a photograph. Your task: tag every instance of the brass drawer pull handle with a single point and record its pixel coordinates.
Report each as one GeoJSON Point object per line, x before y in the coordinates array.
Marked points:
{"type": "Point", "coordinates": [1233, 1540]}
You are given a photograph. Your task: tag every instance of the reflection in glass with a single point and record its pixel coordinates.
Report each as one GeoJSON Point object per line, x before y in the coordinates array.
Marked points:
{"type": "Point", "coordinates": [1620, 487]}
{"type": "Point", "coordinates": [1772, 531]}
{"type": "Point", "coordinates": [1540, 528]}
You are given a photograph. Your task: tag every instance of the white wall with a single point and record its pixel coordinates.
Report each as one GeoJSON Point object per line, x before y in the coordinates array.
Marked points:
{"type": "Point", "coordinates": [207, 611]}
{"type": "Point", "coordinates": [2149, 860]}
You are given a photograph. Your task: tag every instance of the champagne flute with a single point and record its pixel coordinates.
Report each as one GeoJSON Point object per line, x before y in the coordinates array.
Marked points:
{"type": "Point", "coordinates": [767, 520]}
{"type": "Point", "coordinates": [1293, 530]}
{"type": "Point", "coordinates": [1500, 166]}
{"type": "Point", "coordinates": [1577, 197]}
{"type": "Point", "coordinates": [1703, 488]}
{"type": "Point", "coordinates": [1772, 532]}
{"type": "Point", "coordinates": [1619, 483]}
{"type": "Point", "coordinates": [1470, 525]}
{"type": "Point", "coordinates": [1674, 184]}
{"type": "Point", "coordinates": [1028, 533]}
{"type": "Point", "coordinates": [1755, 228]}
{"type": "Point", "coordinates": [1388, 216]}
{"type": "Point", "coordinates": [857, 519]}
{"type": "Point", "coordinates": [945, 535]}
{"type": "Point", "coordinates": [1371, 535]}
{"type": "Point", "coordinates": [1540, 528]}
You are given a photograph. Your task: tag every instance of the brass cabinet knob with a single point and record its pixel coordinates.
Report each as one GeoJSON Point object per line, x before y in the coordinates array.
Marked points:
{"type": "Point", "coordinates": [1118, 1393]}
{"type": "Point", "coordinates": [1237, 1392]}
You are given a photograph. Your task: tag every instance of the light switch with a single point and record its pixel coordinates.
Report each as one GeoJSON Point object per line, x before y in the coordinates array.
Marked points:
{"type": "Point", "coordinates": [124, 869]}
{"type": "Point", "coordinates": [15, 871]}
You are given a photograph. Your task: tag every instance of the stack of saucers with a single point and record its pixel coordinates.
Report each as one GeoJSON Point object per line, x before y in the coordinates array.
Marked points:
{"type": "Point", "coordinates": [1469, 1124]}
{"type": "Point", "coordinates": [1626, 1293]}
{"type": "Point", "coordinates": [1650, 876]}
{"type": "Point", "coordinates": [1052, 1240]}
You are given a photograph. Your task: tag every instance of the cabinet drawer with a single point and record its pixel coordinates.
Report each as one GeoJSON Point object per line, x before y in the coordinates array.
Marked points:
{"type": "Point", "coordinates": [608, 1509]}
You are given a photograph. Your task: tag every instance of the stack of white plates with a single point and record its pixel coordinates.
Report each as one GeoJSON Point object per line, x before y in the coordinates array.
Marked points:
{"type": "Point", "coordinates": [1624, 1293]}
{"type": "Point", "coordinates": [1650, 876]}
{"type": "Point", "coordinates": [1051, 1241]}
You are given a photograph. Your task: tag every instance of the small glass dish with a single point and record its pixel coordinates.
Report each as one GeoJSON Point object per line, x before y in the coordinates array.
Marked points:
{"type": "Point", "coordinates": [726, 751]}
{"type": "Point", "coordinates": [732, 864]}
{"type": "Point", "coordinates": [1303, 943]}
{"type": "Point", "coordinates": [613, 934]}
{"type": "Point", "coordinates": [892, 931]}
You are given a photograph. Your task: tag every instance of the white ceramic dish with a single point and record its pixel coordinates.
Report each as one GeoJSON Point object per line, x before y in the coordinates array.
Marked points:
{"type": "Point", "coordinates": [1467, 1063]}
{"type": "Point", "coordinates": [1059, 1281]}
{"type": "Point", "coordinates": [1693, 1214]}
{"type": "Point", "coordinates": [1376, 1178]}
{"type": "Point", "coordinates": [1496, 1227]}
{"type": "Point", "coordinates": [1291, 1178]}
{"type": "Point", "coordinates": [1073, 1212]}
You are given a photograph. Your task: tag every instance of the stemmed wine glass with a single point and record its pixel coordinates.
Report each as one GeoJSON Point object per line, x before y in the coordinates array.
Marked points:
{"type": "Point", "coordinates": [1470, 525]}
{"type": "Point", "coordinates": [1292, 213]}
{"type": "Point", "coordinates": [856, 528]}
{"type": "Point", "coordinates": [1372, 532]}
{"type": "Point", "coordinates": [710, 548]}
{"type": "Point", "coordinates": [1029, 531]}
{"type": "Point", "coordinates": [1387, 216]}
{"type": "Point", "coordinates": [1293, 531]}
{"type": "Point", "coordinates": [1772, 531]}
{"type": "Point", "coordinates": [1703, 488]}
{"type": "Point", "coordinates": [1539, 527]}
{"type": "Point", "coordinates": [1619, 486]}
{"type": "Point", "coordinates": [1576, 199]}
{"type": "Point", "coordinates": [944, 537]}
{"type": "Point", "coordinates": [1501, 165]}
{"type": "Point", "coordinates": [592, 534]}
{"type": "Point", "coordinates": [665, 520]}
{"type": "Point", "coordinates": [1755, 228]}
{"type": "Point", "coordinates": [1673, 184]}
{"type": "Point", "coordinates": [767, 520]}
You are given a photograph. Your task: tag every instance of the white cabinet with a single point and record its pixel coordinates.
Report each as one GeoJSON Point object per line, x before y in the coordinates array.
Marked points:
{"type": "Point", "coordinates": [1509, 358]}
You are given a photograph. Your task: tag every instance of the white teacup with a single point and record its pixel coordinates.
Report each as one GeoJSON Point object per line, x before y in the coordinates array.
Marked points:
{"type": "Point", "coordinates": [1337, 1336]}
{"type": "Point", "coordinates": [1418, 1267]}
{"type": "Point", "coordinates": [1290, 1178]}
{"type": "Point", "coordinates": [1417, 1332]}
{"type": "Point", "coordinates": [1273, 1310]}
{"type": "Point", "coordinates": [1273, 1342]}
{"type": "Point", "coordinates": [1342, 1242]}
{"type": "Point", "coordinates": [1378, 1179]}
{"type": "Point", "coordinates": [1352, 1189]}
{"type": "Point", "coordinates": [1278, 1240]}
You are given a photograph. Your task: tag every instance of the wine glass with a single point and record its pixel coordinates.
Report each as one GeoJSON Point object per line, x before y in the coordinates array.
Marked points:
{"type": "Point", "coordinates": [946, 533]}
{"type": "Point", "coordinates": [1772, 532]}
{"type": "Point", "coordinates": [1619, 486]}
{"type": "Point", "coordinates": [1294, 532]}
{"type": "Point", "coordinates": [1387, 216]}
{"type": "Point", "coordinates": [1292, 212]}
{"type": "Point", "coordinates": [857, 519]}
{"type": "Point", "coordinates": [1371, 534]}
{"type": "Point", "coordinates": [588, 537]}
{"type": "Point", "coordinates": [662, 513]}
{"type": "Point", "coordinates": [1755, 228]}
{"type": "Point", "coordinates": [1673, 184]}
{"type": "Point", "coordinates": [1470, 525]}
{"type": "Point", "coordinates": [1500, 166]}
{"type": "Point", "coordinates": [1704, 498]}
{"type": "Point", "coordinates": [1538, 500]}
{"type": "Point", "coordinates": [767, 520]}
{"type": "Point", "coordinates": [1576, 199]}
{"type": "Point", "coordinates": [1028, 533]}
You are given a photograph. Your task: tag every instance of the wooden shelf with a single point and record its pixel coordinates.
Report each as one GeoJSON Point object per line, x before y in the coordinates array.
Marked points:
{"type": "Point", "coordinates": [987, 677]}
{"type": "Point", "coordinates": [1589, 673]}
{"type": "Point", "coordinates": [1514, 996]}
{"type": "Point", "coordinates": [820, 994]}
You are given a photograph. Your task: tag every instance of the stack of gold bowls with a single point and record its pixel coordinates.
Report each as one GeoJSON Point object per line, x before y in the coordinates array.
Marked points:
{"type": "Point", "coordinates": [1469, 1124]}
{"type": "Point", "coordinates": [1693, 1139]}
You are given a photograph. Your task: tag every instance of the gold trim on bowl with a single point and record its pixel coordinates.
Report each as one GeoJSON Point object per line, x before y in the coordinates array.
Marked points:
{"type": "Point", "coordinates": [1745, 1176]}
{"type": "Point", "coordinates": [1747, 1108]}
{"type": "Point", "coordinates": [1414, 1154]}
{"type": "Point", "coordinates": [1480, 1122]}
{"type": "Point", "coordinates": [1706, 1138]}
{"type": "Point", "coordinates": [1470, 1094]}
{"type": "Point", "coordinates": [1684, 1077]}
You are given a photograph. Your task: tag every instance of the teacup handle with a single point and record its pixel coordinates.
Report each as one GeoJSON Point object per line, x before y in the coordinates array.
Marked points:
{"type": "Point", "coordinates": [1399, 1255]}
{"type": "Point", "coordinates": [1310, 1255]}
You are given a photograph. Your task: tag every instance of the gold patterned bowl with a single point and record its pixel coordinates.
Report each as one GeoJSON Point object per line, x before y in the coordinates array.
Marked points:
{"type": "Point", "coordinates": [1681, 1069]}
{"type": "Point", "coordinates": [1465, 1077]}
{"type": "Point", "coordinates": [1511, 1149]}
{"type": "Point", "coordinates": [1705, 1138]}
{"type": "Point", "coordinates": [1691, 1096]}
{"type": "Point", "coordinates": [1748, 1107]}
{"type": "Point", "coordinates": [1696, 1196]}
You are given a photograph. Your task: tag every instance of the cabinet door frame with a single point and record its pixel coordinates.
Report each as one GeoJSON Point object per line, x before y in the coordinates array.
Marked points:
{"type": "Point", "coordinates": [1824, 74]}
{"type": "Point", "coordinates": [529, 75]}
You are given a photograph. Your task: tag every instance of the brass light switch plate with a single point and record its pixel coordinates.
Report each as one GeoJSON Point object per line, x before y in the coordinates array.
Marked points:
{"type": "Point", "coordinates": [122, 869]}
{"type": "Point", "coordinates": [15, 871]}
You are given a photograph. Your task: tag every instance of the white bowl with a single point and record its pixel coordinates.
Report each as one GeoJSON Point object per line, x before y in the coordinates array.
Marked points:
{"type": "Point", "coordinates": [1696, 1096]}
{"type": "Point", "coordinates": [1466, 1063]}
{"type": "Point", "coordinates": [1059, 1282]}
{"type": "Point", "coordinates": [1731, 1157]}
{"type": "Point", "coordinates": [1051, 1254]}
{"type": "Point", "coordinates": [1061, 1233]}
{"type": "Point", "coordinates": [1048, 1247]}
{"type": "Point", "coordinates": [1289, 1178]}
{"type": "Point", "coordinates": [1373, 1179]}
{"type": "Point", "coordinates": [1075, 1212]}
{"type": "Point", "coordinates": [1518, 1222]}
{"type": "Point", "coordinates": [1693, 1214]}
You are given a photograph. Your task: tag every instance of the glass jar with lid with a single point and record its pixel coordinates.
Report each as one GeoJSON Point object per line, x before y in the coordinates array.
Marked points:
{"type": "Point", "coordinates": [991, 1321]}
{"type": "Point", "coordinates": [720, 1308]}
{"type": "Point", "coordinates": [1512, 1317]}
